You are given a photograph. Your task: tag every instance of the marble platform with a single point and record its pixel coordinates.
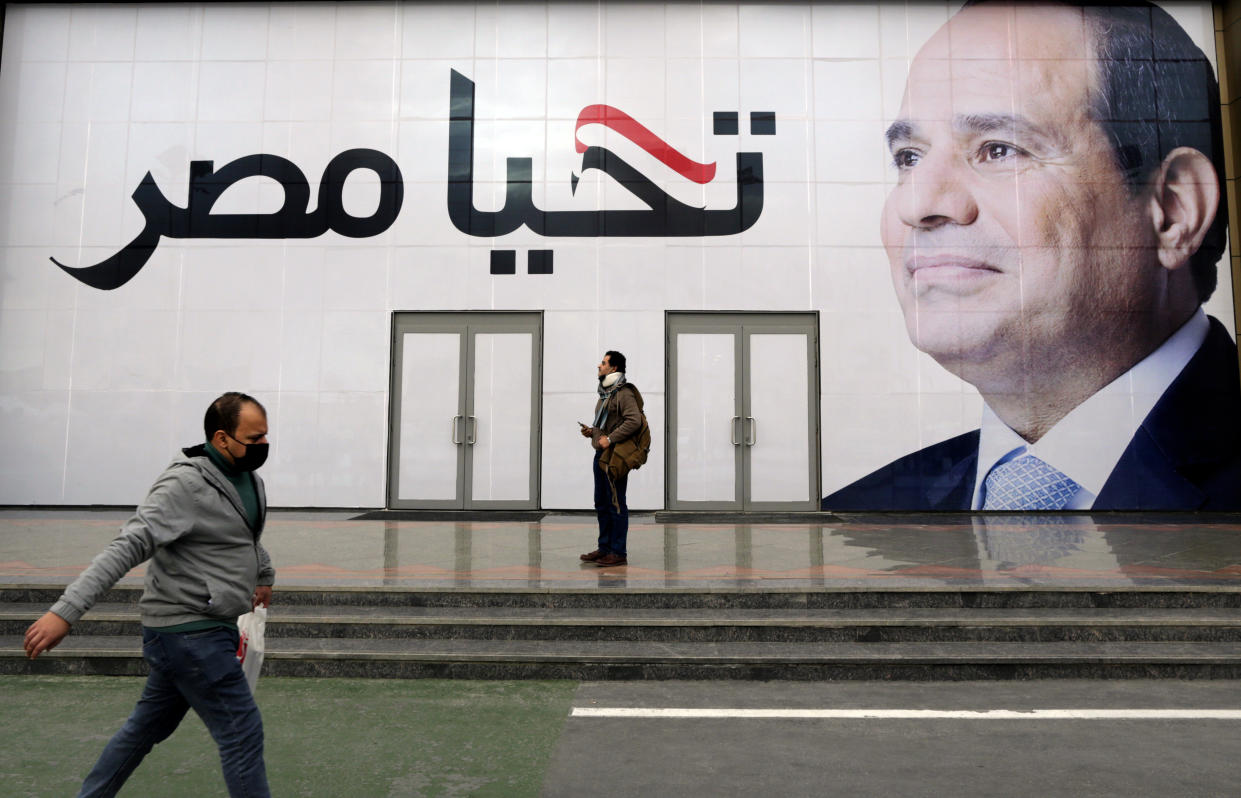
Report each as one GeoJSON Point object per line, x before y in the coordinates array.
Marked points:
{"type": "Point", "coordinates": [826, 597]}
{"type": "Point", "coordinates": [900, 552]}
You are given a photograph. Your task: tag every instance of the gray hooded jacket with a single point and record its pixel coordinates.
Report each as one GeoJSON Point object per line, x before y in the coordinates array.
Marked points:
{"type": "Point", "coordinates": [205, 559]}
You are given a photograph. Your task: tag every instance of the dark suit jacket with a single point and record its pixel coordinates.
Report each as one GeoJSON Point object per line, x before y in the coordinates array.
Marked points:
{"type": "Point", "coordinates": [1186, 455]}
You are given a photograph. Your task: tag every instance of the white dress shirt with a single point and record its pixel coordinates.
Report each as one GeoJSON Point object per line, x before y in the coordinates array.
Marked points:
{"type": "Point", "coordinates": [1086, 444]}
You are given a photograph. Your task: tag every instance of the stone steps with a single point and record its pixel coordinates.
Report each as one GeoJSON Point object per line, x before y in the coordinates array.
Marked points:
{"type": "Point", "coordinates": [673, 597]}
{"type": "Point", "coordinates": [698, 625]}
{"type": "Point", "coordinates": [602, 633]}
{"type": "Point", "coordinates": [595, 660]}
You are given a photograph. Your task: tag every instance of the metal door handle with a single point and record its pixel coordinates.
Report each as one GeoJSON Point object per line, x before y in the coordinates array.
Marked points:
{"type": "Point", "coordinates": [751, 437]}
{"type": "Point", "coordinates": [455, 421]}
{"type": "Point", "coordinates": [732, 430]}
{"type": "Point", "coordinates": [471, 430]}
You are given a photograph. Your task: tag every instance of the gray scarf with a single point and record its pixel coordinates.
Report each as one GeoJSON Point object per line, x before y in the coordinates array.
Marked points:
{"type": "Point", "coordinates": [605, 394]}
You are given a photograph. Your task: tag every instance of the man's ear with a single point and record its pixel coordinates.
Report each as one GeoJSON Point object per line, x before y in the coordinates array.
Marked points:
{"type": "Point", "coordinates": [1184, 199]}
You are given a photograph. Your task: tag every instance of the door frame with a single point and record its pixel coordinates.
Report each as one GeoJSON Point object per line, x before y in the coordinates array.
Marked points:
{"type": "Point", "coordinates": [735, 321]}
{"type": "Point", "coordinates": [468, 323]}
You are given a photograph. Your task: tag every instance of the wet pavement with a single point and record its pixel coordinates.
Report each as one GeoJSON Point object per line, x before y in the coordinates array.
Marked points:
{"type": "Point", "coordinates": [875, 756]}
{"type": "Point", "coordinates": [515, 739]}
{"type": "Point", "coordinates": [327, 549]}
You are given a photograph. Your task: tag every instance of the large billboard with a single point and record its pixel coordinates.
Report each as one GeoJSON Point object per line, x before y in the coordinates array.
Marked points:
{"type": "Point", "coordinates": [1006, 222]}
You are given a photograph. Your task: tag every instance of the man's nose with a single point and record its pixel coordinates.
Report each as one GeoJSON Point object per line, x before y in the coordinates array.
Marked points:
{"type": "Point", "coordinates": [937, 193]}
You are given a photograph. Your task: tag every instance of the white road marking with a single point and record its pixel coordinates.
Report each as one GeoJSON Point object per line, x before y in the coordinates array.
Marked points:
{"type": "Point", "coordinates": [912, 714]}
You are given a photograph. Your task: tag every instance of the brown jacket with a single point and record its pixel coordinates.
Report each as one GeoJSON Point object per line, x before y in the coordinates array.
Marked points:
{"type": "Point", "coordinates": [624, 415]}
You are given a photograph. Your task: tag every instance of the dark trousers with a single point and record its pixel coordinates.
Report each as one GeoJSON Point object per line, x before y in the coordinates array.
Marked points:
{"type": "Point", "coordinates": [198, 670]}
{"type": "Point", "coordinates": [613, 523]}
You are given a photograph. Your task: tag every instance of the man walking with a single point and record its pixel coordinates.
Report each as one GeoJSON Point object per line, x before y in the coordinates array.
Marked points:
{"type": "Point", "coordinates": [617, 417]}
{"type": "Point", "coordinates": [200, 527]}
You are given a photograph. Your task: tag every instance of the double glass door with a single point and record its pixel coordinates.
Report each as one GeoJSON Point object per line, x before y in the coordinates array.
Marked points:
{"type": "Point", "coordinates": [743, 411]}
{"type": "Point", "coordinates": [465, 410]}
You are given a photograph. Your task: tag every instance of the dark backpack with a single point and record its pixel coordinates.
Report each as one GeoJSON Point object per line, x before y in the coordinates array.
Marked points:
{"type": "Point", "coordinates": [634, 450]}
{"type": "Point", "coordinates": [628, 455]}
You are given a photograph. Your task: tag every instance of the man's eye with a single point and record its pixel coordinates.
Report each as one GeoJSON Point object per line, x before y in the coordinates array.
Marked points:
{"type": "Point", "coordinates": [906, 159]}
{"type": "Point", "coordinates": [998, 151]}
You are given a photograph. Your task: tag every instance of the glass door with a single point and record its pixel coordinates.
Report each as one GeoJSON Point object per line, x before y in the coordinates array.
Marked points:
{"type": "Point", "coordinates": [465, 411]}
{"type": "Point", "coordinates": [743, 411]}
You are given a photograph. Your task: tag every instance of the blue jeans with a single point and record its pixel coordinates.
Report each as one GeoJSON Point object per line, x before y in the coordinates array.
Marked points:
{"type": "Point", "coordinates": [189, 669]}
{"type": "Point", "coordinates": [613, 523]}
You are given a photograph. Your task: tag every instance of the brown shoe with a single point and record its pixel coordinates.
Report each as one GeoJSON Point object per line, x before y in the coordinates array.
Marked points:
{"type": "Point", "coordinates": [611, 559]}
{"type": "Point", "coordinates": [592, 556]}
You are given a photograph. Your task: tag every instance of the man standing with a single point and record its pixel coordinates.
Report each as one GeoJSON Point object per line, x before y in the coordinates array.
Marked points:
{"type": "Point", "coordinates": [200, 527]}
{"type": "Point", "coordinates": [1053, 232]}
{"type": "Point", "coordinates": [617, 417]}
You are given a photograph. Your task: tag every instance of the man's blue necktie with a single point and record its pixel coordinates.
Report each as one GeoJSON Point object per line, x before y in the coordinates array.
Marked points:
{"type": "Point", "coordinates": [1028, 483]}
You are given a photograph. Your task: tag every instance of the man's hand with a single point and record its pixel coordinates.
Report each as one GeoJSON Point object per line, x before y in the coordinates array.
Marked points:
{"type": "Point", "coordinates": [604, 442]}
{"type": "Point", "coordinates": [45, 634]}
{"type": "Point", "coordinates": [262, 596]}
{"type": "Point", "coordinates": [586, 431]}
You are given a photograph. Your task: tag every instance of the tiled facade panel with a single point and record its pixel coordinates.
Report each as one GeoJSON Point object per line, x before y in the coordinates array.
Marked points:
{"type": "Point", "coordinates": [99, 387]}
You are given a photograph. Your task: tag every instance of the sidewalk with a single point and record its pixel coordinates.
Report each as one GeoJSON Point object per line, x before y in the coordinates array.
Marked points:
{"type": "Point", "coordinates": [329, 549]}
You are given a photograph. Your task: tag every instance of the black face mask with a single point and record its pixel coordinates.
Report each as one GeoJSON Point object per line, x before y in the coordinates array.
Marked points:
{"type": "Point", "coordinates": [253, 459]}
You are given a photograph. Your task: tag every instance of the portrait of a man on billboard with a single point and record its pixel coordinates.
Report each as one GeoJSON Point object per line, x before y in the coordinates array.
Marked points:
{"type": "Point", "coordinates": [1052, 235]}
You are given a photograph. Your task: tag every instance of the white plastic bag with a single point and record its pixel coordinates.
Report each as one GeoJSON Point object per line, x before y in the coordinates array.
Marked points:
{"type": "Point", "coordinates": [252, 627]}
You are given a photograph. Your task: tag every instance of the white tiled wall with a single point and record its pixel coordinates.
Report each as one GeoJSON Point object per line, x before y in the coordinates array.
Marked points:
{"type": "Point", "coordinates": [99, 389]}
